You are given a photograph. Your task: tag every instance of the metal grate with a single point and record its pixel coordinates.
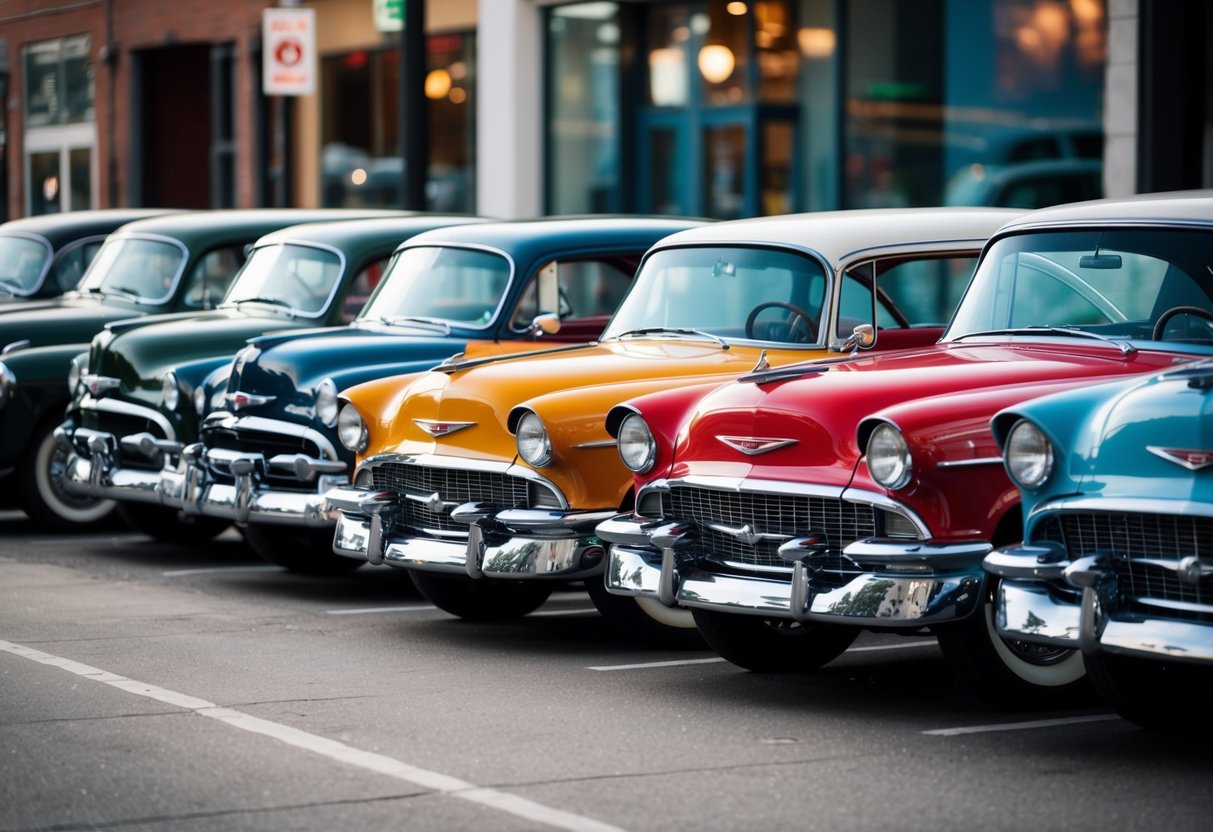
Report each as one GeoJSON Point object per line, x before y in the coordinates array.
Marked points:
{"type": "Point", "coordinates": [120, 425]}
{"type": "Point", "coordinates": [268, 444]}
{"type": "Point", "coordinates": [453, 485]}
{"type": "Point", "coordinates": [840, 521]}
{"type": "Point", "coordinates": [1129, 539]}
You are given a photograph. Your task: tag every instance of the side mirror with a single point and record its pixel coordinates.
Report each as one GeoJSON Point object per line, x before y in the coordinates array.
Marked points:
{"type": "Point", "coordinates": [862, 338]}
{"type": "Point", "coordinates": [546, 324]}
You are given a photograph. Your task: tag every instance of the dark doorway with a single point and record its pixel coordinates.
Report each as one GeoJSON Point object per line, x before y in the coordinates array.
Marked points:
{"type": "Point", "coordinates": [173, 126]}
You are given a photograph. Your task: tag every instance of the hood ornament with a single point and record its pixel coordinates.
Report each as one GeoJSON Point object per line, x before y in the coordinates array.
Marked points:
{"type": "Point", "coordinates": [762, 365]}
{"type": "Point", "coordinates": [1192, 460]}
{"type": "Point", "coordinates": [755, 445]}
{"type": "Point", "coordinates": [438, 429]}
{"type": "Point", "coordinates": [99, 386]}
{"type": "Point", "coordinates": [240, 400]}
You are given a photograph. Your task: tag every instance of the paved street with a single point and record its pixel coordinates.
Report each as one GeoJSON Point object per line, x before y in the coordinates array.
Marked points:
{"type": "Point", "coordinates": [148, 687]}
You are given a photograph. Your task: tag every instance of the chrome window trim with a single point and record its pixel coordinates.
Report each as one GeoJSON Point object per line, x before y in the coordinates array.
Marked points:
{"type": "Point", "coordinates": [343, 265]}
{"type": "Point", "coordinates": [46, 264]}
{"type": "Point", "coordinates": [509, 469]}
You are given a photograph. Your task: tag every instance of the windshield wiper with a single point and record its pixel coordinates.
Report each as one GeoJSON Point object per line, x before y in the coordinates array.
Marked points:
{"type": "Point", "coordinates": [436, 324]}
{"type": "Point", "coordinates": [114, 291]}
{"type": "Point", "coordinates": [1124, 347]}
{"type": "Point", "coordinates": [268, 302]}
{"type": "Point", "coordinates": [656, 330]}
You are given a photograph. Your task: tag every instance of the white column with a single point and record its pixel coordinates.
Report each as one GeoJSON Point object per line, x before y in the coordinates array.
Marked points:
{"type": "Point", "coordinates": [509, 90]}
{"type": "Point", "coordinates": [1120, 100]}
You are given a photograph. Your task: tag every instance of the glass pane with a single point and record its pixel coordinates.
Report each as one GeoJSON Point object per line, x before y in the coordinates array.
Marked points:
{"type": "Point", "coordinates": [43, 89]}
{"type": "Point", "coordinates": [450, 88]}
{"type": "Point", "coordinates": [724, 170]}
{"type": "Point", "coordinates": [70, 265]}
{"type": "Point", "coordinates": [778, 55]}
{"type": "Point", "coordinates": [77, 80]}
{"type": "Point", "coordinates": [669, 40]}
{"type": "Point", "coordinates": [776, 166]}
{"type": "Point", "coordinates": [45, 192]}
{"type": "Point", "coordinates": [81, 161]}
{"type": "Point", "coordinates": [298, 277]}
{"type": "Point", "coordinates": [140, 268]}
{"type": "Point", "coordinates": [584, 91]}
{"type": "Point", "coordinates": [361, 287]}
{"type": "Point", "coordinates": [919, 292]}
{"type": "Point", "coordinates": [22, 263]}
{"type": "Point", "coordinates": [666, 194]}
{"type": "Point", "coordinates": [449, 284]}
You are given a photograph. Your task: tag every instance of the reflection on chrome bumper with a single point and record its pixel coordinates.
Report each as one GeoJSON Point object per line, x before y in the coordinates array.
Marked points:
{"type": "Point", "coordinates": [91, 468]}
{"type": "Point", "coordinates": [918, 593]}
{"type": "Point", "coordinates": [1028, 609]}
{"type": "Point", "coordinates": [511, 543]}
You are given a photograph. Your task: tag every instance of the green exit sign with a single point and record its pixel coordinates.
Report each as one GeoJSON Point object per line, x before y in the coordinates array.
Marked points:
{"type": "Point", "coordinates": [389, 15]}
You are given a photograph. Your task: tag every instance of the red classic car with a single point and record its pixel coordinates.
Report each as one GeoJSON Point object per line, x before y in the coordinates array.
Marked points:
{"type": "Point", "coordinates": [797, 505]}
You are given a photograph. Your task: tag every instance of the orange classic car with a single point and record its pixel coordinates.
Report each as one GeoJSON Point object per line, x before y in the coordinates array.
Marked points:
{"type": "Point", "coordinates": [485, 477]}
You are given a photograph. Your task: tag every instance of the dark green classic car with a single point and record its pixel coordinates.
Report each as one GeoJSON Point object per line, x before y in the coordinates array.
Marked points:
{"type": "Point", "coordinates": [173, 263]}
{"type": "Point", "coordinates": [45, 256]}
{"type": "Point", "coordinates": [134, 403]}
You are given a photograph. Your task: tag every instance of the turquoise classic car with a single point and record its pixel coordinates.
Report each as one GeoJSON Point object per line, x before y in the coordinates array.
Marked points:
{"type": "Point", "coordinates": [1117, 558]}
{"type": "Point", "coordinates": [133, 406]}
{"type": "Point", "coordinates": [175, 263]}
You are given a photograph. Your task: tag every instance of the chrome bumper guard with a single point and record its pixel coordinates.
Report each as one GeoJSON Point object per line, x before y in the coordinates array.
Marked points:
{"type": "Point", "coordinates": [91, 468]}
{"type": "Point", "coordinates": [1026, 609]}
{"type": "Point", "coordinates": [909, 584]}
{"type": "Point", "coordinates": [190, 487]}
{"type": "Point", "coordinates": [514, 543]}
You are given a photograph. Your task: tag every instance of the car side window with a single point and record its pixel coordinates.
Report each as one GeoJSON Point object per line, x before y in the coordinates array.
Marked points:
{"type": "Point", "coordinates": [587, 289]}
{"type": "Point", "coordinates": [910, 292]}
{"type": "Point", "coordinates": [360, 289]}
{"type": "Point", "coordinates": [71, 264]}
{"type": "Point", "coordinates": [211, 276]}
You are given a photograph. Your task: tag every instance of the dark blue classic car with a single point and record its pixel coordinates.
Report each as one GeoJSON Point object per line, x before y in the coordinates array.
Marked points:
{"type": "Point", "coordinates": [134, 403]}
{"type": "Point", "coordinates": [270, 449]}
{"type": "Point", "coordinates": [175, 263]}
{"type": "Point", "coordinates": [45, 256]}
{"type": "Point", "coordinates": [1117, 558]}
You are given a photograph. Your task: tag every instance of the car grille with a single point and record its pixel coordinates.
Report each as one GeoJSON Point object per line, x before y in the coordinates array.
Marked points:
{"type": "Point", "coordinates": [1131, 538]}
{"type": "Point", "coordinates": [269, 444]}
{"type": "Point", "coordinates": [793, 515]}
{"type": "Point", "coordinates": [453, 485]}
{"type": "Point", "coordinates": [120, 425]}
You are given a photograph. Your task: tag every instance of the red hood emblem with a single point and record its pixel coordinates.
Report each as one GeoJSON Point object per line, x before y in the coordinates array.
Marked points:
{"type": "Point", "coordinates": [754, 445]}
{"type": "Point", "coordinates": [436, 429]}
{"type": "Point", "coordinates": [1192, 460]}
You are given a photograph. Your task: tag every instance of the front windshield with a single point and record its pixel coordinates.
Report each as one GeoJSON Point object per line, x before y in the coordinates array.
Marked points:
{"type": "Point", "coordinates": [23, 261]}
{"type": "Point", "coordinates": [135, 268]}
{"type": "Point", "coordinates": [730, 292]}
{"type": "Point", "coordinates": [456, 285]}
{"type": "Point", "coordinates": [1116, 282]}
{"type": "Point", "coordinates": [297, 277]}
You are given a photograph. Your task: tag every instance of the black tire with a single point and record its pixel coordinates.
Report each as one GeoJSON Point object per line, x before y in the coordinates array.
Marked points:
{"type": "Point", "coordinates": [168, 525]}
{"type": "Point", "coordinates": [40, 488]}
{"type": "Point", "coordinates": [773, 645]}
{"type": "Point", "coordinates": [306, 551]}
{"type": "Point", "coordinates": [481, 600]}
{"type": "Point", "coordinates": [646, 618]}
{"type": "Point", "coordinates": [1010, 673]}
{"type": "Point", "coordinates": [1157, 695]}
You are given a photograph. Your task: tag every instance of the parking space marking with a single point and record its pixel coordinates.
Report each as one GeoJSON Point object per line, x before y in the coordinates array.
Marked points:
{"type": "Point", "coordinates": [111, 539]}
{"type": "Point", "coordinates": [374, 610]}
{"type": "Point", "coordinates": [450, 786]}
{"type": "Point", "coordinates": [216, 570]}
{"type": "Point", "coordinates": [541, 613]}
{"type": "Point", "coordinates": [868, 649]}
{"type": "Point", "coordinates": [1020, 726]}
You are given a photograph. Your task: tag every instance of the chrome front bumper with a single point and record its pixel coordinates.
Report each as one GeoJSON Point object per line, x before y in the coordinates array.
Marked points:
{"type": "Point", "coordinates": [511, 543]}
{"type": "Point", "coordinates": [1028, 607]}
{"type": "Point", "coordinates": [903, 583]}
{"type": "Point", "coordinates": [91, 468]}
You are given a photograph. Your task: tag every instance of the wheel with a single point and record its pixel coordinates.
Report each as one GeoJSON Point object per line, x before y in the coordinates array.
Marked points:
{"type": "Point", "coordinates": [307, 551]}
{"type": "Point", "coordinates": [40, 486]}
{"type": "Point", "coordinates": [1008, 672]}
{"type": "Point", "coordinates": [481, 600]}
{"type": "Point", "coordinates": [1150, 692]}
{"type": "Point", "coordinates": [1160, 326]}
{"type": "Point", "coordinates": [647, 618]}
{"type": "Point", "coordinates": [773, 644]}
{"type": "Point", "coordinates": [799, 319]}
{"type": "Point", "coordinates": [168, 525]}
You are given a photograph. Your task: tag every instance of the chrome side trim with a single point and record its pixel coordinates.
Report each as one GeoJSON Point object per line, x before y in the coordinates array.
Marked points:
{"type": "Point", "coordinates": [264, 425]}
{"type": "Point", "coordinates": [966, 463]}
{"type": "Point", "coordinates": [602, 443]}
{"type": "Point", "coordinates": [1125, 505]}
{"type": "Point", "coordinates": [884, 503]}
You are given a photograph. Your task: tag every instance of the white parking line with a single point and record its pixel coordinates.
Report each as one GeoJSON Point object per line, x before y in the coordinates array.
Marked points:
{"type": "Point", "coordinates": [646, 665]}
{"type": "Point", "coordinates": [1020, 726]}
{"type": "Point", "coordinates": [541, 613]}
{"type": "Point", "coordinates": [491, 798]}
{"type": "Point", "coordinates": [374, 610]}
{"type": "Point", "coordinates": [86, 538]}
{"type": "Point", "coordinates": [216, 570]}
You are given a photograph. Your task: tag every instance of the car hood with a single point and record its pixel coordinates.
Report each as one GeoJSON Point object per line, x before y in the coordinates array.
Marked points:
{"type": "Point", "coordinates": [484, 394]}
{"type": "Point", "coordinates": [806, 426]}
{"type": "Point", "coordinates": [60, 321]}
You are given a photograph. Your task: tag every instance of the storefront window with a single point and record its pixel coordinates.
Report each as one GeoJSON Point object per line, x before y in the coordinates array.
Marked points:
{"type": "Point", "coordinates": [58, 82]}
{"type": "Point", "coordinates": [360, 158]}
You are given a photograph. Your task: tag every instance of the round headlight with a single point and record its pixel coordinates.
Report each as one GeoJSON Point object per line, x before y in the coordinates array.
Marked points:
{"type": "Point", "coordinates": [1029, 455]}
{"type": "Point", "coordinates": [74, 373]}
{"type": "Point", "coordinates": [351, 430]}
{"type": "Point", "coordinates": [326, 402]}
{"type": "Point", "coordinates": [636, 446]}
{"type": "Point", "coordinates": [888, 457]}
{"type": "Point", "coordinates": [200, 401]}
{"type": "Point", "coordinates": [534, 446]}
{"type": "Point", "coordinates": [170, 393]}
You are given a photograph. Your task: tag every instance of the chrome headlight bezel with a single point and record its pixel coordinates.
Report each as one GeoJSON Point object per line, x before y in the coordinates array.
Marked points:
{"type": "Point", "coordinates": [888, 455]}
{"type": "Point", "coordinates": [7, 381]}
{"type": "Point", "coordinates": [635, 443]}
{"type": "Point", "coordinates": [170, 391]}
{"type": "Point", "coordinates": [75, 372]}
{"type": "Point", "coordinates": [327, 405]}
{"type": "Point", "coordinates": [351, 429]}
{"type": "Point", "coordinates": [1028, 456]}
{"type": "Point", "coordinates": [534, 443]}
{"type": "Point", "coordinates": [200, 401]}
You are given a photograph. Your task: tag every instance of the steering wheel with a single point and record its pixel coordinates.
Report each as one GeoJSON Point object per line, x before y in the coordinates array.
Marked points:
{"type": "Point", "coordinates": [1160, 325]}
{"type": "Point", "coordinates": [799, 319]}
